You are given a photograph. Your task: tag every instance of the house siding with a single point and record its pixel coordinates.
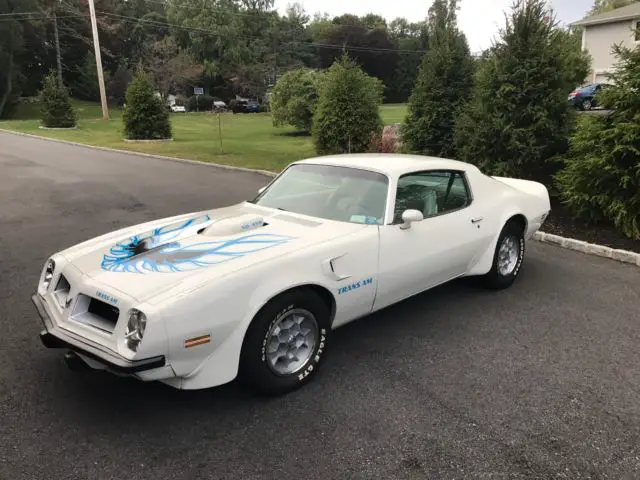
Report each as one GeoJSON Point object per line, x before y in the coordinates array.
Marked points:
{"type": "Point", "coordinates": [599, 40]}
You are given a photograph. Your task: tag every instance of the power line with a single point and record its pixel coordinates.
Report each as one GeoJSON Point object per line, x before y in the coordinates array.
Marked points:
{"type": "Point", "coordinates": [168, 5]}
{"type": "Point", "coordinates": [356, 48]}
{"type": "Point", "coordinates": [15, 14]}
{"type": "Point", "coordinates": [41, 17]}
{"type": "Point", "coordinates": [210, 32]}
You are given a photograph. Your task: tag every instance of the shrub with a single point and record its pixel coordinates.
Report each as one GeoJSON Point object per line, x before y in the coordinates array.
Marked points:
{"type": "Point", "coordinates": [388, 141]}
{"type": "Point", "coordinates": [348, 110]}
{"type": "Point", "coordinates": [57, 111]}
{"type": "Point", "coordinates": [235, 106]}
{"type": "Point", "coordinates": [444, 82]}
{"type": "Point", "coordinates": [518, 121]}
{"type": "Point", "coordinates": [145, 116]}
{"type": "Point", "coordinates": [294, 98]}
{"type": "Point", "coordinates": [601, 178]}
{"type": "Point", "coordinates": [201, 103]}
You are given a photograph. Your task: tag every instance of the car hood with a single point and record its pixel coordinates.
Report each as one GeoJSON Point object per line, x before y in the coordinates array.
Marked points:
{"type": "Point", "coordinates": [143, 260]}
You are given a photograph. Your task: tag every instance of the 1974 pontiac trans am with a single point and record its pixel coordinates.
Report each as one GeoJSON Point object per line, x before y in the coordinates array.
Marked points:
{"type": "Point", "coordinates": [254, 290]}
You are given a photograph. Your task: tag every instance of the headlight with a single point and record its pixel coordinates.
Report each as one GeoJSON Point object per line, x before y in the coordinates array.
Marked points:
{"type": "Point", "coordinates": [48, 273]}
{"type": "Point", "coordinates": [135, 328]}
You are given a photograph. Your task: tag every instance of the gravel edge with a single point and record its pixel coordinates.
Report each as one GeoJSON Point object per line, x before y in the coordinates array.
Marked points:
{"type": "Point", "coordinates": [624, 256]}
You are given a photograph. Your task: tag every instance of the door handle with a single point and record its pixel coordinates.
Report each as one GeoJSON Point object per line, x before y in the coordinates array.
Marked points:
{"type": "Point", "coordinates": [476, 220]}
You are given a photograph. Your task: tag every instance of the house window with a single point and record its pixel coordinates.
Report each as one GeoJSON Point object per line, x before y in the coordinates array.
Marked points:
{"type": "Point", "coordinates": [636, 34]}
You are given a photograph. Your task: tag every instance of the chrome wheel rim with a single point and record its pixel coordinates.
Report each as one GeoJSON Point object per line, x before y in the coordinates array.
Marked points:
{"type": "Point", "coordinates": [508, 255]}
{"type": "Point", "coordinates": [291, 341]}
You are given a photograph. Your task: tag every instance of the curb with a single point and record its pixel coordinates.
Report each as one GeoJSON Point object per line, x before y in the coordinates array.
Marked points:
{"type": "Point", "coordinates": [623, 256]}
{"type": "Point", "coordinates": [142, 154]}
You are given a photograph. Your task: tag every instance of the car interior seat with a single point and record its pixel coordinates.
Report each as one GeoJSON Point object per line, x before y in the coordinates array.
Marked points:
{"type": "Point", "coordinates": [413, 197]}
{"type": "Point", "coordinates": [430, 206]}
{"type": "Point", "coordinates": [375, 199]}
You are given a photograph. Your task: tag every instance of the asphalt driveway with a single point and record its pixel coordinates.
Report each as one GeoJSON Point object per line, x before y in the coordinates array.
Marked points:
{"type": "Point", "coordinates": [541, 381]}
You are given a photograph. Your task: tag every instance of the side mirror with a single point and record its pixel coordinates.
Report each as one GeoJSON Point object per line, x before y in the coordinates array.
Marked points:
{"type": "Point", "coordinates": [260, 190]}
{"type": "Point", "coordinates": [410, 216]}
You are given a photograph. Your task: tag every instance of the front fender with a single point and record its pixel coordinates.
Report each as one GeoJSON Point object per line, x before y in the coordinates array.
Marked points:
{"type": "Point", "coordinates": [218, 361]}
{"type": "Point", "coordinates": [226, 307]}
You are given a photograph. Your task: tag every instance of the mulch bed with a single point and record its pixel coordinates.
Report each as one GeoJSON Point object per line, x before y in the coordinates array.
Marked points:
{"type": "Point", "coordinates": [561, 222]}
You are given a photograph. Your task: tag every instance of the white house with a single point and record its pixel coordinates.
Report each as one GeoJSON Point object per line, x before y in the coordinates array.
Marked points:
{"type": "Point", "coordinates": [600, 32]}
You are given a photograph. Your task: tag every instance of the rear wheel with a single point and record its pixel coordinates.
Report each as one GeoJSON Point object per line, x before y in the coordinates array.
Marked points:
{"type": "Point", "coordinates": [507, 258]}
{"type": "Point", "coordinates": [286, 343]}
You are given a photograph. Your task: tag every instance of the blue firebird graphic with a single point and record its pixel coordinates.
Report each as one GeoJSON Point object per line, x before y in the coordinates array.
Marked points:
{"type": "Point", "coordinates": [160, 250]}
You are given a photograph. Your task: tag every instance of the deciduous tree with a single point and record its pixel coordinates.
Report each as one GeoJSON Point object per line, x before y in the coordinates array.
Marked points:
{"type": "Point", "coordinates": [602, 6]}
{"type": "Point", "coordinates": [294, 98]}
{"type": "Point", "coordinates": [172, 68]}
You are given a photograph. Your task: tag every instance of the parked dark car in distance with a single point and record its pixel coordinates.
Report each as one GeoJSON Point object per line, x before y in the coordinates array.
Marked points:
{"type": "Point", "coordinates": [245, 106]}
{"type": "Point", "coordinates": [585, 97]}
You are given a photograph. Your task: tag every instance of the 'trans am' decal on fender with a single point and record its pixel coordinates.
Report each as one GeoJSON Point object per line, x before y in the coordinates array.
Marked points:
{"type": "Point", "coordinates": [354, 286]}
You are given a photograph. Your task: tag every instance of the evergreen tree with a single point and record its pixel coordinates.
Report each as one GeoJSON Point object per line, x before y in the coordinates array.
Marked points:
{"type": "Point", "coordinates": [85, 85]}
{"type": "Point", "coordinates": [57, 111]}
{"type": "Point", "coordinates": [145, 117]}
{"type": "Point", "coordinates": [347, 115]}
{"type": "Point", "coordinates": [444, 82]}
{"type": "Point", "coordinates": [518, 121]}
{"type": "Point", "coordinates": [601, 180]}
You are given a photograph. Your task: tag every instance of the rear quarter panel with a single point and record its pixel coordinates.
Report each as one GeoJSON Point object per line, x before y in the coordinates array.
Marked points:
{"type": "Point", "coordinates": [502, 198]}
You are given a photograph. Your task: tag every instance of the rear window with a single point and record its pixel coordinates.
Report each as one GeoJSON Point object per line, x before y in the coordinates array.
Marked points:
{"type": "Point", "coordinates": [587, 88]}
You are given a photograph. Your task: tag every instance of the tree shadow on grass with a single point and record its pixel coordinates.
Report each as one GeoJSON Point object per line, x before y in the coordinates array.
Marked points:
{"type": "Point", "coordinates": [293, 134]}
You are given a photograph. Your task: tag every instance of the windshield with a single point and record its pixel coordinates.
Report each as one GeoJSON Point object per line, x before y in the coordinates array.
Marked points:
{"type": "Point", "coordinates": [329, 192]}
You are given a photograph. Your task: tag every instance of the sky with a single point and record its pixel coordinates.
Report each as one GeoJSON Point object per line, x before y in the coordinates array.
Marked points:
{"type": "Point", "coordinates": [479, 19]}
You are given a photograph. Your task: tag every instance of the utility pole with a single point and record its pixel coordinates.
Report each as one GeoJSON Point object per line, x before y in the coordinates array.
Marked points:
{"type": "Point", "coordinates": [96, 47]}
{"type": "Point", "coordinates": [57, 41]}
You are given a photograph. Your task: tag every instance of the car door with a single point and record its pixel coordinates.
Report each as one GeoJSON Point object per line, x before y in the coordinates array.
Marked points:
{"type": "Point", "coordinates": [436, 249]}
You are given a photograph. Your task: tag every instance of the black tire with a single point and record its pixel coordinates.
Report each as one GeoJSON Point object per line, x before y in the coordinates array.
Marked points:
{"type": "Point", "coordinates": [494, 279]}
{"type": "Point", "coordinates": [255, 371]}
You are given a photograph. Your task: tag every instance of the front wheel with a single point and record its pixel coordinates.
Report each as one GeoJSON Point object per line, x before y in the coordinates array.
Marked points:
{"type": "Point", "coordinates": [507, 258]}
{"type": "Point", "coordinates": [286, 343]}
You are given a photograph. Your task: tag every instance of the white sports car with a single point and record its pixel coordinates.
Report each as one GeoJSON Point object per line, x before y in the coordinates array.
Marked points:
{"type": "Point", "coordinates": [254, 290]}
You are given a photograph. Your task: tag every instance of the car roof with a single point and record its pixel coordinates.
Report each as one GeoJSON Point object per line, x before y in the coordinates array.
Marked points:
{"type": "Point", "coordinates": [392, 164]}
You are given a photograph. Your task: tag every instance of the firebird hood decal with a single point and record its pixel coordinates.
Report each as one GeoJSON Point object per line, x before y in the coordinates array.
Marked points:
{"type": "Point", "coordinates": [161, 251]}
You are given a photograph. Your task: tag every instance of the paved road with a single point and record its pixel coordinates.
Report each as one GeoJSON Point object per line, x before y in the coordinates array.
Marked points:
{"type": "Point", "coordinates": [540, 381]}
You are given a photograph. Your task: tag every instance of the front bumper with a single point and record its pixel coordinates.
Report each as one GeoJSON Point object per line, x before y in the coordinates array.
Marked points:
{"type": "Point", "coordinates": [56, 337]}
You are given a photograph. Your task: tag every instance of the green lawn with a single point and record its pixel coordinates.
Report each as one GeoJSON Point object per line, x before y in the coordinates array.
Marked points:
{"type": "Point", "coordinates": [248, 140]}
